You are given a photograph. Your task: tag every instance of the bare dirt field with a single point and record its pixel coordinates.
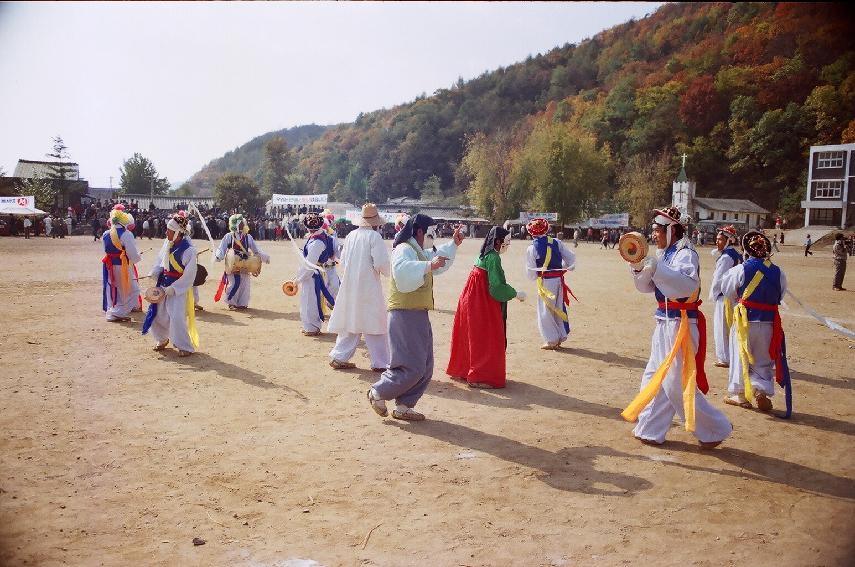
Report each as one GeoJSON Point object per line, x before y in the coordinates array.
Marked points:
{"type": "Point", "coordinates": [111, 454]}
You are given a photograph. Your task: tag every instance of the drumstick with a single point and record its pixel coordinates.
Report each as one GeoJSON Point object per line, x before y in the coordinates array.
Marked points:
{"type": "Point", "coordinates": [202, 251]}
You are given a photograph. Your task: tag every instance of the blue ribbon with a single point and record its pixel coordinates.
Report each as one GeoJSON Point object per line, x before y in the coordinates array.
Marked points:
{"type": "Point", "coordinates": [321, 288]}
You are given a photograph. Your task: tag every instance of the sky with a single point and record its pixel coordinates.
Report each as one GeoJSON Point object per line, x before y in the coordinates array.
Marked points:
{"type": "Point", "coordinates": [184, 83]}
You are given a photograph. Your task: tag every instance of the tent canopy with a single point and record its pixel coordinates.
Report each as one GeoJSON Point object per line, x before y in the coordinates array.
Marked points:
{"type": "Point", "coordinates": [19, 210]}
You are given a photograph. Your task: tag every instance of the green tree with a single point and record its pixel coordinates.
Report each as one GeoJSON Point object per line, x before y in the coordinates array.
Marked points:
{"type": "Point", "coordinates": [60, 169]}
{"type": "Point", "coordinates": [492, 188]}
{"type": "Point", "coordinates": [276, 167]}
{"type": "Point", "coordinates": [432, 190]}
{"type": "Point", "coordinates": [44, 190]}
{"type": "Point", "coordinates": [234, 191]}
{"type": "Point", "coordinates": [565, 171]}
{"type": "Point", "coordinates": [643, 184]}
{"type": "Point", "coordinates": [185, 190]}
{"type": "Point", "coordinates": [139, 177]}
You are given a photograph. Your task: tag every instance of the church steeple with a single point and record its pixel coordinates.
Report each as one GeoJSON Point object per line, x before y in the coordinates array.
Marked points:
{"type": "Point", "coordinates": [683, 191]}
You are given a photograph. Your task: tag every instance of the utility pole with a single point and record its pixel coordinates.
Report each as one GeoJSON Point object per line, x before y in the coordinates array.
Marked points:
{"type": "Point", "coordinates": [151, 197]}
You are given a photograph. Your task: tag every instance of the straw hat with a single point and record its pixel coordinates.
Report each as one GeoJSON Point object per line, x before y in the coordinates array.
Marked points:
{"type": "Point", "coordinates": [370, 216]}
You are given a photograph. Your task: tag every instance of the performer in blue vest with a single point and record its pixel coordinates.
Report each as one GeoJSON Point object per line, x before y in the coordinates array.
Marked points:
{"type": "Point", "coordinates": [120, 293]}
{"type": "Point", "coordinates": [547, 260]}
{"type": "Point", "coordinates": [728, 257]}
{"type": "Point", "coordinates": [237, 285]}
{"type": "Point", "coordinates": [674, 381]}
{"type": "Point", "coordinates": [757, 338]}
{"type": "Point", "coordinates": [318, 288]}
{"type": "Point", "coordinates": [173, 319]}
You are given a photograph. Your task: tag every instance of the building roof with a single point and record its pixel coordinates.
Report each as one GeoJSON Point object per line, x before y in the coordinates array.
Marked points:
{"type": "Point", "coordinates": [730, 205]}
{"type": "Point", "coordinates": [682, 177]}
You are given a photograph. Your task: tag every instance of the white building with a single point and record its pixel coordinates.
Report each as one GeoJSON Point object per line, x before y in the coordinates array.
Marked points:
{"type": "Point", "coordinates": [28, 169]}
{"type": "Point", "coordinates": [742, 213]}
{"type": "Point", "coordinates": [827, 199]}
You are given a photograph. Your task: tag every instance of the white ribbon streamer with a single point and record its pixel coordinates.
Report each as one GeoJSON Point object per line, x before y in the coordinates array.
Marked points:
{"type": "Point", "coordinates": [824, 320]}
{"type": "Point", "coordinates": [208, 232]}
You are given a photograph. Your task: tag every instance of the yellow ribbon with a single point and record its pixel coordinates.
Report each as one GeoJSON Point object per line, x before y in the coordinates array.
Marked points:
{"type": "Point", "coordinates": [740, 314]}
{"type": "Point", "coordinates": [682, 343]}
{"type": "Point", "coordinates": [191, 306]}
{"type": "Point", "coordinates": [547, 296]}
{"type": "Point", "coordinates": [123, 257]}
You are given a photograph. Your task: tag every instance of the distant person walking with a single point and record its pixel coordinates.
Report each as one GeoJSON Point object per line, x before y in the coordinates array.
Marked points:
{"type": "Point", "coordinates": [838, 251]}
{"type": "Point", "coordinates": [28, 224]}
{"type": "Point", "coordinates": [808, 244]}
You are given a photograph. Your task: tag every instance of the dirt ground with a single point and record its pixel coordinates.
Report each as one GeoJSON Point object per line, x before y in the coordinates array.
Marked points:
{"type": "Point", "coordinates": [115, 455]}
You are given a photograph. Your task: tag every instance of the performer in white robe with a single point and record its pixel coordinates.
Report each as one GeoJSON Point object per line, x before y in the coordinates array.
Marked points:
{"type": "Point", "coordinates": [318, 288]}
{"type": "Point", "coordinates": [553, 293]}
{"type": "Point", "coordinates": [673, 276]}
{"type": "Point", "coordinates": [237, 286]}
{"type": "Point", "coordinates": [360, 308]}
{"type": "Point", "coordinates": [120, 294]}
{"type": "Point", "coordinates": [414, 264]}
{"type": "Point", "coordinates": [727, 257]}
{"type": "Point", "coordinates": [757, 349]}
{"type": "Point", "coordinates": [173, 318]}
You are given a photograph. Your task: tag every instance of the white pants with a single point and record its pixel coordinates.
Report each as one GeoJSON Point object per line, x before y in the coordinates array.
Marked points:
{"type": "Point", "coordinates": [171, 323]}
{"type": "Point", "coordinates": [761, 373]}
{"type": "Point", "coordinates": [550, 325]}
{"type": "Point", "coordinates": [721, 334]}
{"type": "Point", "coordinates": [655, 419]}
{"type": "Point", "coordinates": [125, 302]}
{"type": "Point", "coordinates": [378, 348]}
{"type": "Point", "coordinates": [241, 296]}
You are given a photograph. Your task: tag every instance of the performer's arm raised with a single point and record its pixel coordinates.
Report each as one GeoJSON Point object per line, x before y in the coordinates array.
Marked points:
{"type": "Point", "coordinates": [408, 271]}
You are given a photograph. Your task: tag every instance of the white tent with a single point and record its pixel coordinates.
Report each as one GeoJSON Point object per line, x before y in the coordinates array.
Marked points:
{"type": "Point", "coordinates": [19, 210]}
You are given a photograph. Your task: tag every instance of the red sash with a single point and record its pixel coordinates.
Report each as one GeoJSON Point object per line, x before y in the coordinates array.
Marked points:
{"type": "Point", "coordinates": [701, 355]}
{"type": "Point", "coordinates": [775, 350]}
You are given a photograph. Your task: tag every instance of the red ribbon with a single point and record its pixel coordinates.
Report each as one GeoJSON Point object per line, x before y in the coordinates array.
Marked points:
{"type": "Point", "coordinates": [220, 289]}
{"type": "Point", "coordinates": [701, 354]}
{"type": "Point", "coordinates": [777, 336]}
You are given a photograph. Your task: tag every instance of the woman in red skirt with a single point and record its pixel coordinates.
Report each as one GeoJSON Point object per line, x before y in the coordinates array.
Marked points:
{"type": "Point", "coordinates": [478, 339]}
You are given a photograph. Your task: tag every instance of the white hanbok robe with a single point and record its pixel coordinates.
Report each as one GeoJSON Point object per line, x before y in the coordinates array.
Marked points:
{"type": "Point", "coordinates": [125, 301]}
{"type": "Point", "coordinates": [676, 278]}
{"type": "Point", "coordinates": [241, 296]}
{"type": "Point", "coordinates": [311, 318]}
{"type": "Point", "coordinates": [550, 325]}
{"type": "Point", "coordinates": [360, 308]}
{"type": "Point", "coordinates": [721, 334]}
{"type": "Point", "coordinates": [762, 372]}
{"type": "Point", "coordinates": [171, 320]}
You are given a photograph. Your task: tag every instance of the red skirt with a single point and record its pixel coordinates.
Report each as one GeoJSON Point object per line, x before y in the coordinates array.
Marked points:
{"type": "Point", "coordinates": [478, 336]}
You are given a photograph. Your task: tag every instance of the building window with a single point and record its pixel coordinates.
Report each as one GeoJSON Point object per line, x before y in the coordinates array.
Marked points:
{"type": "Point", "coordinates": [723, 216]}
{"type": "Point", "coordinates": [827, 189]}
{"type": "Point", "coordinates": [827, 217]}
{"type": "Point", "coordinates": [828, 160]}
{"type": "Point", "coordinates": [736, 216]}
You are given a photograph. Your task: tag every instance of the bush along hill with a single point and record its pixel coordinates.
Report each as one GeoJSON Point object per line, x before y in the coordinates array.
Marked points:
{"type": "Point", "coordinates": [248, 159]}
{"type": "Point", "coordinates": [742, 89]}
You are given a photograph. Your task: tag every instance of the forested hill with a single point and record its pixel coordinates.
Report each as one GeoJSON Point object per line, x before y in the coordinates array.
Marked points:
{"type": "Point", "coordinates": [247, 159]}
{"type": "Point", "coordinates": [744, 89]}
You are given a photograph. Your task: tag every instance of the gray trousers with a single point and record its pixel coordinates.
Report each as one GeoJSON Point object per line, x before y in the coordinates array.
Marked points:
{"type": "Point", "coordinates": [839, 272]}
{"type": "Point", "coordinates": [411, 369]}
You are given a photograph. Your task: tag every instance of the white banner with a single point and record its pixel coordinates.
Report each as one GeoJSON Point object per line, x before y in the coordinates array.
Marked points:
{"type": "Point", "coordinates": [526, 216]}
{"type": "Point", "coordinates": [616, 220]}
{"type": "Point", "coordinates": [354, 215]}
{"type": "Point", "coordinates": [28, 201]}
{"type": "Point", "coordinates": [298, 199]}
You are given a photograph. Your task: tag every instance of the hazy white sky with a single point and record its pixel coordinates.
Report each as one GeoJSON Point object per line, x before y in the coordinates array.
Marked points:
{"type": "Point", "coordinates": [183, 83]}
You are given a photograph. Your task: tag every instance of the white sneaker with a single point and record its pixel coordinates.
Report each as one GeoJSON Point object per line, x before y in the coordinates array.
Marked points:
{"type": "Point", "coordinates": [378, 405]}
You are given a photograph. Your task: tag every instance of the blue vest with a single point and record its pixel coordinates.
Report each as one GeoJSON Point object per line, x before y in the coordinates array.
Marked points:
{"type": "Point", "coordinates": [177, 251]}
{"type": "Point", "coordinates": [768, 291]}
{"type": "Point", "coordinates": [328, 252]}
{"type": "Point", "coordinates": [242, 253]}
{"type": "Point", "coordinates": [108, 245]}
{"type": "Point", "coordinates": [660, 297]}
{"type": "Point", "coordinates": [555, 262]}
{"type": "Point", "coordinates": [734, 255]}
